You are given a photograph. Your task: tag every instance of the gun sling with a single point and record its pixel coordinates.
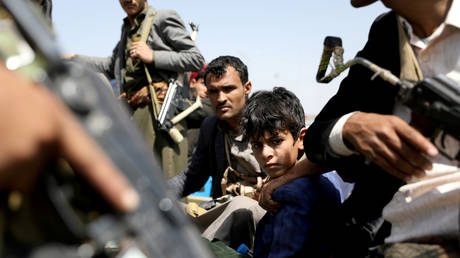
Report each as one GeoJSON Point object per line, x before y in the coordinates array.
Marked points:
{"type": "Point", "coordinates": [148, 22]}
{"type": "Point", "coordinates": [234, 182]}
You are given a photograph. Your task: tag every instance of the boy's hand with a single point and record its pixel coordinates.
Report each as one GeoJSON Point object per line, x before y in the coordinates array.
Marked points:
{"type": "Point", "coordinates": [264, 194]}
{"type": "Point", "coordinates": [259, 185]}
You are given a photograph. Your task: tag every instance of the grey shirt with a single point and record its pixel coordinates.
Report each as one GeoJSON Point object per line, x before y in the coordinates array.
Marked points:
{"type": "Point", "coordinates": [241, 157]}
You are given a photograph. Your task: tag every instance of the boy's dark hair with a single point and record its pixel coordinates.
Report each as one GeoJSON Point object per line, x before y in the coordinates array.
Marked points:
{"type": "Point", "coordinates": [271, 111]}
{"type": "Point", "coordinates": [219, 65]}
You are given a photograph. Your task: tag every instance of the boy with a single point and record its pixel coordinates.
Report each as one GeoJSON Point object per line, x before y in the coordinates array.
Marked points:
{"type": "Point", "coordinates": [274, 122]}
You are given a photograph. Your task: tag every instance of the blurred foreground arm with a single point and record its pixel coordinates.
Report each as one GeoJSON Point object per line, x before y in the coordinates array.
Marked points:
{"type": "Point", "coordinates": [36, 128]}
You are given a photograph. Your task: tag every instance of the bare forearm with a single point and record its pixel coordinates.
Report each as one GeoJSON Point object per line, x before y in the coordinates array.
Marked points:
{"type": "Point", "coordinates": [305, 168]}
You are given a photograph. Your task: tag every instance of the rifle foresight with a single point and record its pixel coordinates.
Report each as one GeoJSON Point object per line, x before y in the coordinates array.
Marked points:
{"type": "Point", "coordinates": [330, 43]}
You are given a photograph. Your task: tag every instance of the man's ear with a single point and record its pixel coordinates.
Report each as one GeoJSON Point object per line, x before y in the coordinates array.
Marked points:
{"type": "Point", "coordinates": [247, 88]}
{"type": "Point", "coordinates": [300, 138]}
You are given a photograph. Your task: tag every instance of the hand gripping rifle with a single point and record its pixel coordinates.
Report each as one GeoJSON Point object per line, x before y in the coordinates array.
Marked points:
{"type": "Point", "coordinates": [158, 228]}
{"type": "Point", "coordinates": [174, 102]}
{"type": "Point", "coordinates": [436, 99]}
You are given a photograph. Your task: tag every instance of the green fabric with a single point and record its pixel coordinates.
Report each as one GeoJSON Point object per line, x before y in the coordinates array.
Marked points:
{"type": "Point", "coordinates": [220, 250]}
{"type": "Point", "coordinates": [134, 69]}
{"type": "Point", "coordinates": [173, 156]}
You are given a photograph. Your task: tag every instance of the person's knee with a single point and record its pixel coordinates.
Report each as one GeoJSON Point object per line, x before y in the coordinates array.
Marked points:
{"type": "Point", "coordinates": [242, 215]}
{"type": "Point", "coordinates": [242, 228]}
{"type": "Point", "coordinates": [242, 202]}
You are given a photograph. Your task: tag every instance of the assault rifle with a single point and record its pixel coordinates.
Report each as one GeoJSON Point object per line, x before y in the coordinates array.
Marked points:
{"type": "Point", "coordinates": [84, 226]}
{"type": "Point", "coordinates": [174, 102]}
{"type": "Point", "coordinates": [436, 99]}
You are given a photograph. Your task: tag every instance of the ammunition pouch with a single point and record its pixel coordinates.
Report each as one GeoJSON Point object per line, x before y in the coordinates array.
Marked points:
{"type": "Point", "coordinates": [236, 183]}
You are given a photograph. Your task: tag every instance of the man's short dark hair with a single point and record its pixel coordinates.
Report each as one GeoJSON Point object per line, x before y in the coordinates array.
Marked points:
{"type": "Point", "coordinates": [218, 67]}
{"type": "Point", "coordinates": [271, 111]}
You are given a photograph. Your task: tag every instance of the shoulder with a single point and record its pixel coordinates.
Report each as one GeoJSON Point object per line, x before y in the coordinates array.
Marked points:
{"type": "Point", "coordinates": [383, 25]}
{"type": "Point", "coordinates": [306, 190]}
{"type": "Point", "coordinates": [296, 190]}
{"type": "Point", "coordinates": [166, 14]}
{"type": "Point", "coordinates": [210, 122]}
{"type": "Point", "coordinates": [208, 127]}
{"type": "Point", "coordinates": [382, 35]}
{"type": "Point", "coordinates": [385, 18]}
{"type": "Point", "coordinates": [301, 184]}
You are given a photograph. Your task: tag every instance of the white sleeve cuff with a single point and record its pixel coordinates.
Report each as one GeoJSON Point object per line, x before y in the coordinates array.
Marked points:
{"type": "Point", "coordinates": [335, 138]}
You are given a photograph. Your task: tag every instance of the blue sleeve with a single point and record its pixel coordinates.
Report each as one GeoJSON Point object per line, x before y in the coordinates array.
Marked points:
{"type": "Point", "coordinates": [290, 232]}
{"type": "Point", "coordinates": [299, 224]}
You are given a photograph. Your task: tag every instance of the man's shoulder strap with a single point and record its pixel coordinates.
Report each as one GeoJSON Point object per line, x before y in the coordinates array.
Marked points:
{"type": "Point", "coordinates": [147, 25]}
{"type": "Point", "coordinates": [410, 68]}
{"type": "Point", "coordinates": [148, 21]}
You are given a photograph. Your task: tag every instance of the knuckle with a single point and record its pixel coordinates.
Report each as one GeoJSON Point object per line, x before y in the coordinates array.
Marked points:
{"type": "Point", "coordinates": [370, 155]}
{"type": "Point", "coordinates": [394, 120]}
{"type": "Point", "coordinates": [45, 133]}
{"type": "Point", "coordinates": [384, 133]}
{"type": "Point", "coordinates": [395, 160]}
{"type": "Point", "coordinates": [23, 151]}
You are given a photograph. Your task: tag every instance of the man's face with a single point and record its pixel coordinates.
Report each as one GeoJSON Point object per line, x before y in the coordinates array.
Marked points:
{"type": "Point", "coordinates": [133, 7]}
{"type": "Point", "coordinates": [199, 86]}
{"type": "Point", "coordinates": [227, 94]}
{"type": "Point", "coordinates": [277, 153]}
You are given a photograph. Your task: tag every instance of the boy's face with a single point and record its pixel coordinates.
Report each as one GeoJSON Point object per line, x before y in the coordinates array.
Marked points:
{"type": "Point", "coordinates": [277, 153]}
{"type": "Point", "coordinates": [199, 86]}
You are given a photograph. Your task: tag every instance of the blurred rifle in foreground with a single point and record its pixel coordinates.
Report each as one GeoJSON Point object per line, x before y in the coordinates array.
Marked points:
{"type": "Point", "coordinates": [80, 223]}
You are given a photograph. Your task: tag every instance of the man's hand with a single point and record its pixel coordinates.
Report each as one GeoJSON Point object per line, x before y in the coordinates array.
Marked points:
{"type": "Point", "coordinates": [390, 143]}
{"type": "Point", "coordinates": [141, 51]}
{"type": "Point", "coordinates": [123, 97]}
{"type": "Point", "coordinates": [140, 98]}
{"type": "Point", "coordinates": [37, 128]}
{"type": "Point", "coordinates": [263, 193]}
